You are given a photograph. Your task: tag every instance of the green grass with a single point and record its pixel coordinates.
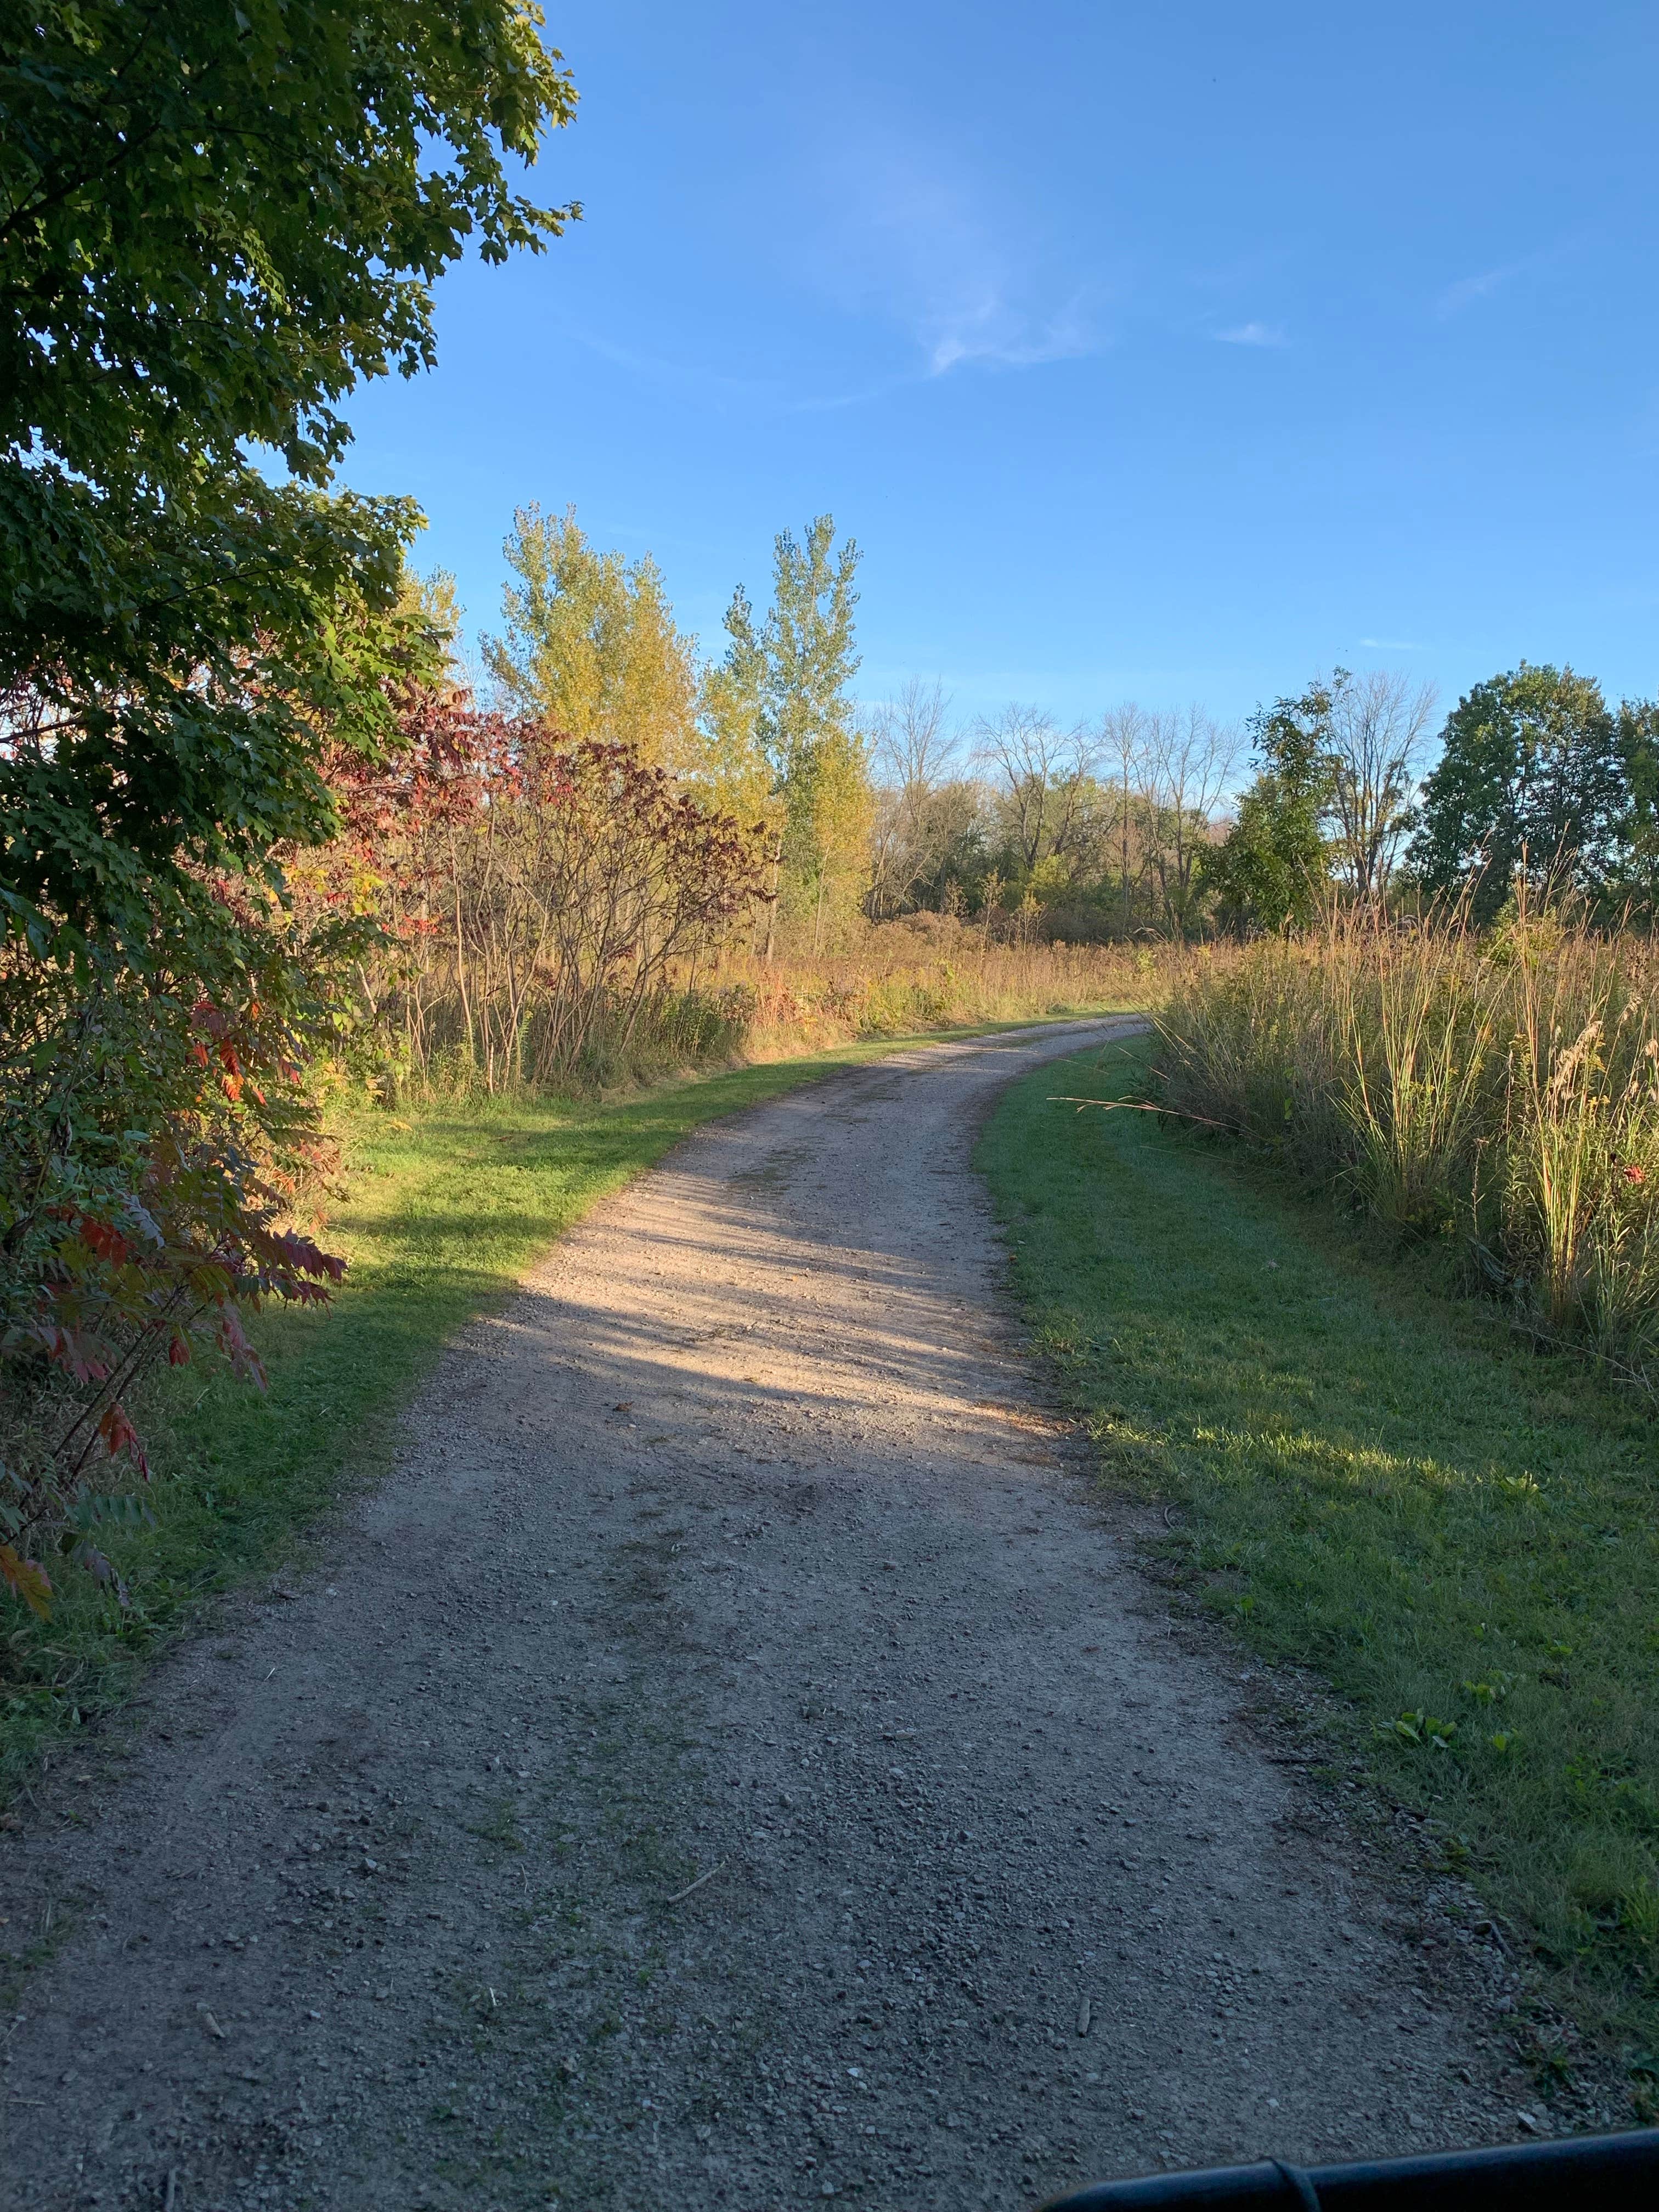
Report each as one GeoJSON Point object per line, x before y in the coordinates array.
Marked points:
{"type": "Point", "coordinates": [443, 1214]}
{"type": "Point", "coordinates": [1380, 1482]}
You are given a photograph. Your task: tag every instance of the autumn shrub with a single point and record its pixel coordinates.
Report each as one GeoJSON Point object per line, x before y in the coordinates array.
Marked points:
{"type": "Point", "coordinates": [549, 909]}
{"type": "Point", "coordinates": [1498, 1088]}
{"type": "Point", "coordinates": [156, 1132]}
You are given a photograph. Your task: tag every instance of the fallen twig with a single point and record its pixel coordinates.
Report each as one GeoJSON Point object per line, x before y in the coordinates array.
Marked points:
{"type": "Point", "coordinates": [680, 1895]}
{"type": "Point", "coordinates": [1134, 1106]}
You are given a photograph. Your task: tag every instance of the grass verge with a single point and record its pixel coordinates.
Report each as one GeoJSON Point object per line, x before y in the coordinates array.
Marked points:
{"type": "Point", "coordinates": [445, 1208]}
{"type": "Point", "coordinates": [1380, 1483]}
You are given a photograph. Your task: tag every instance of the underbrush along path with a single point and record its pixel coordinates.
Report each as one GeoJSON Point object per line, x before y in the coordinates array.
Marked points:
{"type": "Point", "coordinates": [730, 1762]}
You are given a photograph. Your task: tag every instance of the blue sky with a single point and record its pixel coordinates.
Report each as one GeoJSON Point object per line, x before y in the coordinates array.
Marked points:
{"type": "Point", "coordinates": [1165, 351]}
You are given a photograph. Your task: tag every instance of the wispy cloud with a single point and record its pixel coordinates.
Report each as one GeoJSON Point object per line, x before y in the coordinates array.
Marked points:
{"type": "Point", "coordinates": [973, 283]}
{"type": "Point", "coordinates": [1467, 289]}
{"type": "Point", "coordinates": [1391, 645]}
{"type": "Point", "coordinates": [994, 331]}
{"type": "Point", "coordinates": [1557, 255]}
{"type": "Point", "coordinates": [720, 389]}
{"type": "Point", "coordinates": [1252, 334]}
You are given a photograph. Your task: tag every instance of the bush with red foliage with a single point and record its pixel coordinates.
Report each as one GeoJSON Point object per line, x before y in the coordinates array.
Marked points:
{"type": "Point", "coordinates": [542, 899]}
{"type": "Point", "coordinates": [154, 1123]}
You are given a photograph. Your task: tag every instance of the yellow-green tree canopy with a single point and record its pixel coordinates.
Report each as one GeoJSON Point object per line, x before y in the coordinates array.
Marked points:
{"type": "Point", "coordinates": [591, 644]}
{"type": "Point", "coordinates": [791, 677]}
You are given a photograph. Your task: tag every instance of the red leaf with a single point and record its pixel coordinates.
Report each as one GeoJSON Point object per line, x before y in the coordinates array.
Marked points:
{"type": "Point", "coordinates": [244, 1359]}
{"type": "Point", "coordinates": [88, 1556]}
{"type": "Point", "coordinates": [71, 1351]}
{"type": "Point", "coordinates": [119, 1435]}
{"type": "Point", "coordinates": [108, 1243]}
{"type": "Point", "coordinates": [179, 1351]}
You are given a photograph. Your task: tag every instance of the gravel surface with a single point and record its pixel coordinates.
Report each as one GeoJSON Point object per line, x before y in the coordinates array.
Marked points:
{"type": "Point", "coordinates": [734, 1761]}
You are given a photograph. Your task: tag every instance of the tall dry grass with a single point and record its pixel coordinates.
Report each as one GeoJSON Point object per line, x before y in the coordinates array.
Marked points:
{"type": "Point", "coordinates": [930, 972]}
{"type": "Point", "coordinates": [896, 979]}
{"type": "Point", "coordinates": [1503, 1091]}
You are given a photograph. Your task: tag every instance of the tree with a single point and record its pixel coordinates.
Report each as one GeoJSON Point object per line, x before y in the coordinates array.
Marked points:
{"type": "Point", "coordinates": [1272, 869]}
{"type": "Point", "coordinates": [1633, 872]}
{"type": "Point", "coordinates": [911, 747]}
{"type": "Point", "coordinates": [590, 646]}
{"type": "Point", "coordinates": [834, 806]}
{"type": "Point", "coordinates": [1046, 778]}
{"type": "Point", "coordinates": [1125, 742]}
{"type": "Point", "coordinates": [1529, 780]}
{"type": "Point", "coordinates": [1188, 760]}
{"type": "Point", "coordinates": [213, 222]}
{"type": "Point", "coordinates": [1378, 724]}
{"type": "Point", "coordinates": [791, 677]}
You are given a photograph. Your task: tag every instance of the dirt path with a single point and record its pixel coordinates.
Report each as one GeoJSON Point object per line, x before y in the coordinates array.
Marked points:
{"type": "Point", "coordinates": [731, 1763]}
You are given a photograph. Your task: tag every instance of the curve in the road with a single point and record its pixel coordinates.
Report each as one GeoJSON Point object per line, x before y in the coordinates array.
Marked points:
{"type": "Point", "coordinates": [732, 1763]}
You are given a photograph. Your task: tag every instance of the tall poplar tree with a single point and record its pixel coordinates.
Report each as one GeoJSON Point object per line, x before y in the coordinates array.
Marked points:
{"type": "Point", "coordinates": [792, 675]}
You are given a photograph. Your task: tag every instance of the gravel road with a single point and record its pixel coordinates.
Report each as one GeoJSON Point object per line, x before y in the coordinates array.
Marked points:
{"type": "Point", "coordinates": [733, 1761]}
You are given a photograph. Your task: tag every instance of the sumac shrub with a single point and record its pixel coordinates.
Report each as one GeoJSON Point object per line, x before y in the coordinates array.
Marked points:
{"type": "Point", "coordinates": [546, 902]}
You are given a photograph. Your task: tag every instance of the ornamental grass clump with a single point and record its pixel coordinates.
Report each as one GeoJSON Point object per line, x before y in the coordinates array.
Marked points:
{"type": "Point", "coordinates": [1499, 1090]}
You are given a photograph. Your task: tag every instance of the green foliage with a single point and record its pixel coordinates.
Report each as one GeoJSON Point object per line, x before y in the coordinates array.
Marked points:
{"type": "Point", "coordinates": [1426, 1512]}
{"type": "Point", "coordinates": [1632, 878]}
{"type": "Point", "coordinates": [163, 688]}
{"type": "Point", "coordinates": [213, 221]}
{"type": "Point", "coordinates": [1530, 778]}
{"type": "Point", "coordinates": [1271, 871]}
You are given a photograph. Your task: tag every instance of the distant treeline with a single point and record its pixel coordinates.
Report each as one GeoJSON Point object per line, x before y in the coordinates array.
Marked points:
{"type": "Point", "coordinates": [1165, 823]}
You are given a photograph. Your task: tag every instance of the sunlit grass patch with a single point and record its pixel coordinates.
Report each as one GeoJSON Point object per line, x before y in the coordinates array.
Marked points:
{"type": "Point", "coordinates": [1380, 1482]}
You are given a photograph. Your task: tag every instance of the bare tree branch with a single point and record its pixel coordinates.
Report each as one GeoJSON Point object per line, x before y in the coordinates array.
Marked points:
{"type": "Point", "coordinates": [1379, 729]}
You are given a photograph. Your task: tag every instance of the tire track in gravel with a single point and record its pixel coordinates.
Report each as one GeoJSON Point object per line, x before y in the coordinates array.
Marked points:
{"type": "Point", "coordinates": [732, 1762]}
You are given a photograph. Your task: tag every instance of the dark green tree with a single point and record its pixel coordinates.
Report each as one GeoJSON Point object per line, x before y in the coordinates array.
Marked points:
{"type": "Point", "coordinates": [1271, 871]}
{"type": "Point", "coordinates": [1530, 778]}
{"type": "Point", "coordinates": [1632, 882]}
{"type": "Point", "coordinates": [214, 221]}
